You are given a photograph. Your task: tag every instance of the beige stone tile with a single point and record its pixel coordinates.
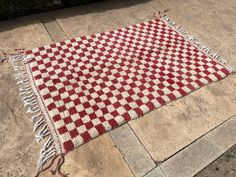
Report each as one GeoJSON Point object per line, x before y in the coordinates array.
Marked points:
{"type": "Point", "coordinates": [206, 108]}
{"type": "Point", "coordinates": [105, 16]}
{"type": "Point", "coordinates": [84, 21]}
{"type": "Point", "coordinates": [160, 133]}
{"type": "Point", "coordinates": [133, 14]}
{"type": "Point", "coordinates": [98, 158]}
{"type": "Point", "coordinates": [23, 33]}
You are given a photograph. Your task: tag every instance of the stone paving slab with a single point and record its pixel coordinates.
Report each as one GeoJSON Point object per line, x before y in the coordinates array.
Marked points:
{"type": "Point", "coordinates": [132, 150]}
{"type": "Point", "coordinates": [172, 127]}
{"type": "Point", "coordinates": [191, 160]}
{"type": "Point", "coordinates": [84, 21]}
{"type": "Point", "coordinates": [224, 166]}
{"type": "Point", "coordinates": [98, 158]}
{"type": "Point", "coordinates": [157, 172]}
{"type": "Point", "coordinates": [23, 33]}
{"type": "Point", "coordinates": [103, 16]}
{"type": "Point", "coordinates": [54, 30]}
{"type": "Point", "coordinates": [225, 136]}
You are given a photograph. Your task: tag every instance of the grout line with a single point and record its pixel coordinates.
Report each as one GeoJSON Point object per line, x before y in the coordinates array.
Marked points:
{"type": "Point", "coordinates": [231, 117]}
{"type": "Point", "coordinates": [43, 23]}
{"type": "Point", "coordinates": [163, 171]}
{"type": "Point", "coordinates": [150, 170]}
{"type": "Point", "coordinates": [213, 161]}
{"type": "Point", "coordinates": [141, 144]}
{"type": "Point", "coordinates": [117, 147]}
{"type": "Point", "coordinates": [61, 28]}
{"type": "Point", "coordinates": [221, 152]}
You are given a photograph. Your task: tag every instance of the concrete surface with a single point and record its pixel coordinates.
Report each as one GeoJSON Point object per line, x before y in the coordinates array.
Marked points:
{"type": "Point", "coordinates": [164, 131]}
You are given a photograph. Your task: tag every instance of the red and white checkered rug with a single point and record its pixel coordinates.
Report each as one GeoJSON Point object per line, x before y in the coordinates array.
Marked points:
{"type": "Point", "coordinates": [81, 88]}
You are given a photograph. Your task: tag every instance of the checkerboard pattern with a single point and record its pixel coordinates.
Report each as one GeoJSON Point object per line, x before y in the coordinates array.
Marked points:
{"type": "Point", "coordinates": [92, 84]}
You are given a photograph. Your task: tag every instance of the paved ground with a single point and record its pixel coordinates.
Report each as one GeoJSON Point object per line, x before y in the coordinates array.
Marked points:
{"type": "Point", "coordinates": [138, 147]}
{"type": "Point", "coordinates": [222, 167]}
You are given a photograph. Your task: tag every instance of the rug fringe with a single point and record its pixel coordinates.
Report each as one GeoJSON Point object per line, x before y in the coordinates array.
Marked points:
{"type": "Point", "coordinates": [48, 151]}
{"type": "Point", "coordinates": [193, 40]}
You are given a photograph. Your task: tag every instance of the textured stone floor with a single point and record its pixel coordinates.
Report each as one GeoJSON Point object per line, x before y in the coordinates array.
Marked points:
{"type": "Point", "coordinates": [224, 166]}
{"type": "Point", "coordinates": [159, 134]}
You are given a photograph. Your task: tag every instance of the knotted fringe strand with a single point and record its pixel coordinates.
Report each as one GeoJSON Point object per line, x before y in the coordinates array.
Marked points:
{"type": "Point", "coordinates": [193, 40]}
{"type": "Point", "coordinates": [48, 153]}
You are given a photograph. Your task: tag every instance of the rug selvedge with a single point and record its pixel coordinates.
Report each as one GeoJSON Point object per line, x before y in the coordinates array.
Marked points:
{"type": "Point", "coordinates": [58, 144]}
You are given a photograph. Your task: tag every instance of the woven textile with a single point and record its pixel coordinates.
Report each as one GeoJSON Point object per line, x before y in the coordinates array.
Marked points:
{"type": "Point", "coordinates": [80, 88]}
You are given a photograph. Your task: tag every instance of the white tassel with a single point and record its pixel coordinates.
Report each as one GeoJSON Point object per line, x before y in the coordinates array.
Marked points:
{"type": "Point", "coordinates": [30, 101]}
{"type": "Point", "coordinates": [232, 69]}
{"type": "Point", "coordinates": [28, 97]}
{"type": "Point", "coordinates": [42, 133]}
{"type": "Point", "coordinates": [45, 158]}
{"type": "Point", "coordinates": [20, 82]}
{"type": "Point", "coordinates": [36, 116]}
{"type": "Point", "coordinates": [38, 123]}
{"type": "Point", "coordinates": [29, 92]}
{"type": "Point", "coordinates": [32, 109]}
{"type": "Point", "coordinates": [48, 143]}
{"type": "Point", "coordinates": [196, 43]}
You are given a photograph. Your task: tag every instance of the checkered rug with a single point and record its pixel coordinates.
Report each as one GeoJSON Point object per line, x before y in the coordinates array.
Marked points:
{"type": "Point", "coordinates": [81, 88]}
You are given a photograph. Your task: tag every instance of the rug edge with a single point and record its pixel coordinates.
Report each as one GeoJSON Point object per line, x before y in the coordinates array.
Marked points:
{"type": "Point", "coordinates": [201, 46]}
{"type": "Point", "coordinates": [42, 127]}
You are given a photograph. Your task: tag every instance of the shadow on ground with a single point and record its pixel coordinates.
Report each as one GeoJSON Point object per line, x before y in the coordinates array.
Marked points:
{"type": "Point", "coordinates": [96, 7]}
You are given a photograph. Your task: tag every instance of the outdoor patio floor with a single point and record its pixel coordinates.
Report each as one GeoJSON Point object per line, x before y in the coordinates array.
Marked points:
{"type": "Point", "coordinates": [139, 146]}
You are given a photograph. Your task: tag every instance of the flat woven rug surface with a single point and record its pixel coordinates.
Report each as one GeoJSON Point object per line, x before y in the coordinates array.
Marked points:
{"type": "Point", "coordinates": [81, 88]}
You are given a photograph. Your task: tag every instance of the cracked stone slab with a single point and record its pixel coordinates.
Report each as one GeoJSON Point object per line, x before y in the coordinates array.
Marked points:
{"type": "Point", "coordinates": [132, 150]}
{"type": "Point", "coordinates": [191, 160]}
